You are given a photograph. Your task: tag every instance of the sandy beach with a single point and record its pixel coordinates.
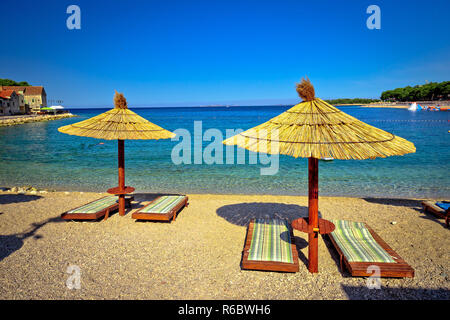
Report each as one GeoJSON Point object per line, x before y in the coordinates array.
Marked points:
{"type": "Point", "coordinates": [392, 106]}
{"type": "Point", "coordinates": [198, 256]}
{"type": "Point", "coordinates": [386, 106]}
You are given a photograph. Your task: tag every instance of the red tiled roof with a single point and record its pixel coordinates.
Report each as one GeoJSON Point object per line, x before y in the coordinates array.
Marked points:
{"type": "Point", "coordinates": [31, 91]}
{"type": "Point", "coordinates": [15, 88]}
{"type": "Point", "coordinates": [6, 94]}
{"type": "Point", "coordinates": [27, 91]}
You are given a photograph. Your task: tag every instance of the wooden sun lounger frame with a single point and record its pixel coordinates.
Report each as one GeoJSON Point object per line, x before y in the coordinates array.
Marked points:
{"type": "Point", "coordinates": [94, 216]}
{"type": "Point", "coordinates": [268, 265]}
{"type": "Point", "coordinates": [152, 216]}
{"type": "Point", "coordinates": [398, 269]}
{"type": "Point", "coordinates": [431, 207]}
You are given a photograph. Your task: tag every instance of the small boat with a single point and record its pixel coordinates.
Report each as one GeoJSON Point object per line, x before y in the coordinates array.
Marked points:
{"type": "Point", "coordinates": [413, 107]}
{"type": "Point", "coordinates": [327, 159]}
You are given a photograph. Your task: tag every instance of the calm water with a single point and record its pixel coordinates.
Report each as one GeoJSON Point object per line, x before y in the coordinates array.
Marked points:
{"type": "Point", "coordinates": [37, 154]}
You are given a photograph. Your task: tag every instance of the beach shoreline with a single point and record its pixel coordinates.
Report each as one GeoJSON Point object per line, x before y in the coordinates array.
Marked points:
{"type": "Point", "coordinates": [198, 256]}
{"type": "Point", "coordinates": [38, 190]}
{"type": "Point", "coordinates": [385, 106]}
{"type": "Point", "coordinates": [392, 106]}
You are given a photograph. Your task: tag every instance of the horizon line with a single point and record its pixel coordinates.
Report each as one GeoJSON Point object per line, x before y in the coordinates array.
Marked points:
{"type": "Point", "coordinates": [200, 106]}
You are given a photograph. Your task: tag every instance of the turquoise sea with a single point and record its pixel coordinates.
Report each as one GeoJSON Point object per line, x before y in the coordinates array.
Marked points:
{"type": "Point", "coordinates": [37, 154]}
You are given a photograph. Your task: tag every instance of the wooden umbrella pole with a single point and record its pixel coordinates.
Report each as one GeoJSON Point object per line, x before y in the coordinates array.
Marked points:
{"type": "Point", "coordinates": [121, 152]}
{"type": "Point", "coordinates": [313, 210]}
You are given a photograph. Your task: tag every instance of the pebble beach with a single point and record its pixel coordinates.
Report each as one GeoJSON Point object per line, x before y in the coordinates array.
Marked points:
{"type": "Point", "coordinates": [199, 255]}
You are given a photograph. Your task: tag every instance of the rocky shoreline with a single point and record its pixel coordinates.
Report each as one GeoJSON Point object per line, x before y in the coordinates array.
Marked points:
{"type": "Point", "coordinates": [25, 189]}
{"type": "Point", "coordinates": [30, 190]}
{"type": "Point", "coordinates": [15, 120]}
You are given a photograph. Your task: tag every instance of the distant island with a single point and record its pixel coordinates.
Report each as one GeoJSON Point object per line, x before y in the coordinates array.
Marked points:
{"type": "Point", "coordinates": [351, 101]}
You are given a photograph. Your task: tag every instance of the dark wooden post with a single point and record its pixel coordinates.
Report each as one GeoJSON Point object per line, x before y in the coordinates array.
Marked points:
{"type": "Point", "coordinates": [121, 177]}
{"type": "Point", "coordinates": [313, 210]}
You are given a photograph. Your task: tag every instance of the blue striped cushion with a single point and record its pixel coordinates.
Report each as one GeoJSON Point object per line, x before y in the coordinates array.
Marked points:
{"type": "Point", "coordinates": [443, 205]}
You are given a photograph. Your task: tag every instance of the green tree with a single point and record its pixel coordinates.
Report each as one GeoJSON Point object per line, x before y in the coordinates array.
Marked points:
{"type": "Point", "coordinates": [9, 82]}
{"type": "Point", "coordinates": [351, 101]}
{"type": "Point", "coordinates": [429, 91]}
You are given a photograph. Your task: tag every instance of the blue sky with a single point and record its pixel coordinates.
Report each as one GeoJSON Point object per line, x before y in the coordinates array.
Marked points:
{"type": "Point", "coordinates": [178, 53]}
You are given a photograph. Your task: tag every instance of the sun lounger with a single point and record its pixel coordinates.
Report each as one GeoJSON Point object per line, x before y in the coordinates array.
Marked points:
{"type": "Point", "coordinates": [270, 246]}
{"type": "Point", "coordinates": [163, 208]}
{"type": "Point", "coordinates": [359, 248]}
{"type": "Point", "coordinates": [96, 209]}
{"type": "Point", "coordinates": [439, 209]}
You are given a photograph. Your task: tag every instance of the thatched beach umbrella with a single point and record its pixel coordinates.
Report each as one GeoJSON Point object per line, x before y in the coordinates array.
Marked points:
{"type": "Point", "coordinates": [314, 129]}
{"type": "Point", "coordinates": [119, 124]}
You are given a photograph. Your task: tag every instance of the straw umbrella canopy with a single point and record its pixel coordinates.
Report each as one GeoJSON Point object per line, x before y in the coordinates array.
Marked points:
{"type": "Point", "coordinates": [118, 124]}
{"type": "Point", "coordinates": [314, 129]}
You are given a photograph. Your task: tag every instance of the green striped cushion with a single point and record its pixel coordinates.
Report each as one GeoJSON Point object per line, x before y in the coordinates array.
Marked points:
{"type": "Point", "coordinates": [96, 206]}
{"type": "Point", "coordinates": [271, 241]}
{"type": "Point", "coordinates": [163, 204]}
{"type": "Point", "coordinates": [357, 243]}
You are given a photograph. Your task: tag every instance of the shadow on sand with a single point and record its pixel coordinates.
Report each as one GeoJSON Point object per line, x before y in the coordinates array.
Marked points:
{"type": "Point", "coordinates": [413, 204]}
{"type": "Point", "coordinates": [387, 293]}
{"type": "Point", "coordinates": [395, 202]}
{"type": "Point", "coordinates": [429, 216]}
{"type": "Point", "coordinates": [16, 198]}
{"type": "Point", "coordinates": [241, 213]}
{"type": "Point", "coordinates": [13, 242]}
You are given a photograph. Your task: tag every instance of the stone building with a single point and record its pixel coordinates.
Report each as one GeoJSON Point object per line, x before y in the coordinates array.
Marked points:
{"type": "Point", "coordinates": [9, 103]}
{"type": "Point", "coordinates": [33, 96]}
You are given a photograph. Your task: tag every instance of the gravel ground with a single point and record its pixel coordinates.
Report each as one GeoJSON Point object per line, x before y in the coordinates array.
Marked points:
{"type": "Point", "coordinates": [199, 255]}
